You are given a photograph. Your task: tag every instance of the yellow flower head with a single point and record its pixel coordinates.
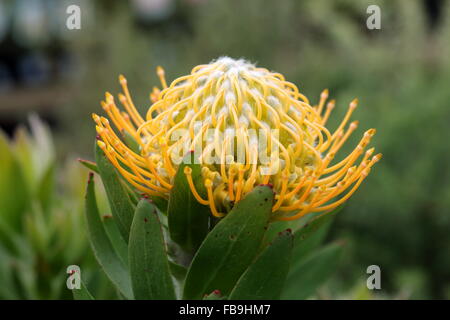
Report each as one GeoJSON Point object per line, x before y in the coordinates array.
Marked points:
{"type": "Point", "coordinates": [248, 126]}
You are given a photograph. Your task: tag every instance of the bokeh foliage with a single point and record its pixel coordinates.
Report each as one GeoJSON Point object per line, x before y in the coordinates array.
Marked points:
{"type": "Point", "coordinates": [41, 219]}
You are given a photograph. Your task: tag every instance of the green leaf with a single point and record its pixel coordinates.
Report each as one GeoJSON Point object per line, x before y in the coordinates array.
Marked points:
{"type": "Point", "coordinates": [311, 235]}
{"type": "Point", "coordinates": [305, 277]}
{"type": "Point", "coordinates": [264, 278]}
{"type": "Point", "coordinates": [119, 200]}
{"type": "Point", "coordinates": [102, 247]}
{"type": "Point", "coordinates": [119, 245]}
{"type": "Point", "coordinates": [149, 266]}
{"type": "Point", "coordinates": [130, 142]}
{"type": "Point", "coordinates": [274, 228]}
{"type": "Point", "coordinates": [82, 293]}
{"type": "Point", "coordinates": [188, 219]}
{"type": "Point", "coordinates": [178, 271]}
{"type": "Point", "coordinates": [278, 226]}
{"type": "Point", "coordinates": [231, 246]}
{"type": "Point", "coordinates": [161, 203]}
{"type": "Point", "coordinates": [89, 164]}
{"type": "Point", "coordinates": [131, 193]}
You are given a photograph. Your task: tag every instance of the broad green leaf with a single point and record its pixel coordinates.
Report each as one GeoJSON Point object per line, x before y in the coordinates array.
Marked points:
{"type": "Point", "coordinates": [134, 197]}
{"type": "Point", "coordinates": [119, 199]}
{"type": "Point", "coordinates": [119, 245]}
{"type": "Point", "coordinates": [230, 247]}
{"type": "Point", "coordinates": [149, 266]}
{"type": "Point", "coordinates": [82, 293]}
{"type": "Point", "coordinates": [102, 247]}
{"type": "Point", "coordinates": [300, 227]}
{"type": "Point", "coordinates": [178, 274]}
{"type": "Point", "coordinates": [188, 219]}
{"type": "Point", "coordinates": [161, 203]}
{"type": "Point", "coordinates": [273, 229]}
{"type": "Point", "coordinates": [305, 277]}
{"type": "Point", "coordinates": [178, 271]}
{"type": "Point", "coordinates": [264, 278]}
{"type": "Point", "coordinates": [130, 141]}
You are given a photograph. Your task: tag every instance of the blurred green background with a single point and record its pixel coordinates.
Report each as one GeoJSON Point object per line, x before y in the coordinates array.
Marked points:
{"type": "Point", "coordinates": [400, 217]}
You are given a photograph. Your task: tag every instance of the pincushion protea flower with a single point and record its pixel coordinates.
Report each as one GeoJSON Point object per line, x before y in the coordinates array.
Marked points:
{"type": "Point", "coordinates": [220, 111]}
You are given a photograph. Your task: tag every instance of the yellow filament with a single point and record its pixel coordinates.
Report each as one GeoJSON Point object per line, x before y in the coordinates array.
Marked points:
{"type": "Point", "coordinates": [161, 74]}
{"type": "Point", "coordinates": [281, 196]}
{"type": "Point", "coordinates": [208, 185]}
{"type": "Point", "coordinates": [230, 181]}
{"type": "Point", "coordinates": [128, 102]}
{"type": "Point", "coordinates": [188, 173]}
{"type": "Point", "coordinates": [240, 183]}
